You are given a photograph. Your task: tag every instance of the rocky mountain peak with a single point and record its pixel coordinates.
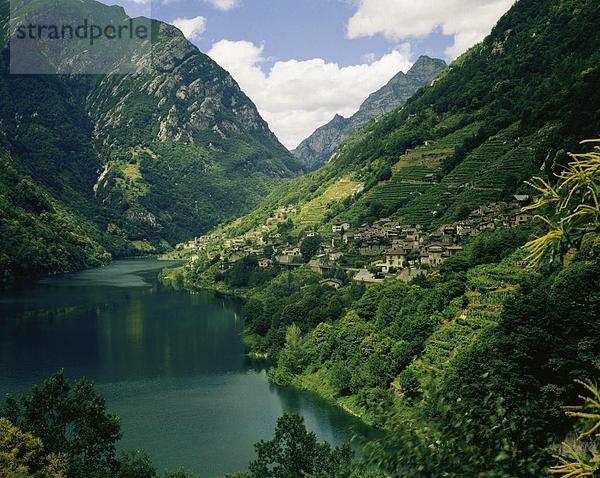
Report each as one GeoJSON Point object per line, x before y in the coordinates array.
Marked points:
{"type": "Point", "coordinates": [318, 148]}
{"type": "Point", "coordinates": [426, 67]}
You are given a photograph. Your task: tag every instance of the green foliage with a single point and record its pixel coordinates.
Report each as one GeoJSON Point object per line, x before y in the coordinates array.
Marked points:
{"type": "Point", "coordinates": [23, 456]}
{"type": "Point", "coordinates": [409, 383]}
{"type": "Point", "coordinates": [292, 358]}
{"type": "Point", "coordinates": [246, 273]}
{"type": "Point", "coordinates": [135, 464]}
{"type": "Point", "coordinates": [180, 473]}
{"type": "Point", "coordinates": [295, 453]}
{"type": "Point", "coordinates": [293, 297]}
{"type": "Point", "coordinates": [71, 420]}
{"type": "Point", "coordinates": [39, 235]}
{"type": "Point", "coordinates": [581, 458]}
{"type": "Point", "coordinates": [310, 246]}
{"type": "Point", "coordinates": [574, 207]}
{"type": "Point", "coordinates": [495, 410]}
{"type": "Point", "coordinates": [493, 246]}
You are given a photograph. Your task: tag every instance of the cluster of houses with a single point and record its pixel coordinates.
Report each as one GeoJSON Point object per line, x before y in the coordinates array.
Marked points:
{"type": "Point", "coordinates": [410, 248]}
{"type": "Point", "coordinates": [281, 214]}
{"type": "Point", "coordinates": [383, 248]}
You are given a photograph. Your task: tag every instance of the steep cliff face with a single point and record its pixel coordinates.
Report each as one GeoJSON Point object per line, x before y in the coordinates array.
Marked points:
{"type": "Point", "coordinates": [398, 90]}
{"type": "Point", "coordinates": [184, 147]}
{"type": "Point", "coordinates": [176, 94]}
{"type": "Point", "coordinates": [317, 149]}
{"type": "Point", "coordinates": [158, 149]}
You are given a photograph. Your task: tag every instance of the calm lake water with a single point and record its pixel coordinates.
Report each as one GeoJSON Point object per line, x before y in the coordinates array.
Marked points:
{"type": "Point", "coordinates": [169, 363]}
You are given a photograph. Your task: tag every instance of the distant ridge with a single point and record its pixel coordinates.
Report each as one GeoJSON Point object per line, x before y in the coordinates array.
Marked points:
{"type": "Point", "coordinates": [317, 149]}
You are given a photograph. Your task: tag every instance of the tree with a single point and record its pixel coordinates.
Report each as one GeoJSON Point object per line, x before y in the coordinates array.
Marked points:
{"type": "Point", "coordinates": [240, 274]}
{"type": "Point", "coordinates": [180, 473]}
{"type": "Point", "coordinates": [291, 358]}
{"type": "Point", "coordinates": [293, 345]}
{"type": "Point", "coordinates": [295, 453]}
{"type": "Point", "coordinates": [269, 251]}
{"type": "Point", "coordinates": [310, 246]}
{"type": "Point", "coordinates": [70, 420]}
{"type": "Point", "coordinates": [384, 174]}
{"type": "Point", "coordinates": [284, 227]}
{"type": "Point", "coordinates": [135, 464]}
{"type": "Point", "coordinates": [22, 455]}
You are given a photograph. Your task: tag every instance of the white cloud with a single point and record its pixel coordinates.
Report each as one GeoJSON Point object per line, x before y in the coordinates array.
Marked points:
{"type": "Point", "coordinates": [469, 21]}
{"type": "Point", "coordinates": [191, 27]}
{"type": "Point", "coordinates": [223, 5]}
{"type": "Point", "coordinates": [296, 97]}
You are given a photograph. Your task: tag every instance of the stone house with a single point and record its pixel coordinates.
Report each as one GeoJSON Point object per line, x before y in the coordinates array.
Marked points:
{"type": "Point", "coordinates": [435, 255]}
{"type": "Point", "coordinates": [340, 227]}
{"type": "Point", "coordinates": [395, 258]}
{"type": "Point", "coordinates": [522, 218]}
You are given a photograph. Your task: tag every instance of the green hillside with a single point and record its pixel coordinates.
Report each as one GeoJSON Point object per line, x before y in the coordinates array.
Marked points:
{"type": "Point", "coordinates": [40, 235]}
{"type": "Point", "coordinates": [505, 110]}
{"type": "Point", "coordinates": [468, 362]}
{"type": "Point", "coordinates": [147, 158]}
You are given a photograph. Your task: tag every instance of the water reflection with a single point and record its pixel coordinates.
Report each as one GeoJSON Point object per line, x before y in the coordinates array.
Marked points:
{"type": "Point", "coordinates": [169, 363]}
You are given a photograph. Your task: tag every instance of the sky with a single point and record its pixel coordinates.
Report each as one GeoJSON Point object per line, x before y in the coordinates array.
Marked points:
{"type": "Point", "coordinates": [303, 61]}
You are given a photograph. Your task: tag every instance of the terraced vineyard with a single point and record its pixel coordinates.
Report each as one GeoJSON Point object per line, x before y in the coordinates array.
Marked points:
{"type": "Point", "coordinates": [480, 178]}
{"type": "Point", "coordinates": [413, 191]}
{"type": "Point", "coordinates": [489, 288]}
{"type": "Point", "coordinates": [313, 212]}
{"type": "Point", "coordinates": [515, 165]}
{"type": "Point", "coordinates": [471, 169]}
{"type": "Point", "coordinates": [413, 174]}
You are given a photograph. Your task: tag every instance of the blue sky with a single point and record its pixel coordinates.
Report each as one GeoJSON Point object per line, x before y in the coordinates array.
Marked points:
{"type": "Point", "coordinates": [302, 61]}
{"type": "Point", "coordinates": [298, 29]}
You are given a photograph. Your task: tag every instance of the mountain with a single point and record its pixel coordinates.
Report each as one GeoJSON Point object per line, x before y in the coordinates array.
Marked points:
{"type": "Point", "coordinates": [318, 148]}
{"type": "Point", "coordinates": [159, 148]}
{"type": "Point", "coordinates": [504, 111]}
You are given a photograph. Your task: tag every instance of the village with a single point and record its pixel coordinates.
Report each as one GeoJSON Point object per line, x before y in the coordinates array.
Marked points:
{"type": "Point", "coordinates": [368, 253]}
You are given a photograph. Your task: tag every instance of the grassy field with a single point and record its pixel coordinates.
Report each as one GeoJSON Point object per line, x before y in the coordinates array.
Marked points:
{"type": "Point", "coordinates": [313, 212]}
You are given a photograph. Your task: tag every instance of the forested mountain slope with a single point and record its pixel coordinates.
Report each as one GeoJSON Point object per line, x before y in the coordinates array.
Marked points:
{"type": "Point", "coordinates": [506, 109]}
{"type": "Point", "coordinates": [318, 148]}
{"type": "Point", "coordinates": [469, 362]}
{"type": "Point", "coordinates": [148, 158]}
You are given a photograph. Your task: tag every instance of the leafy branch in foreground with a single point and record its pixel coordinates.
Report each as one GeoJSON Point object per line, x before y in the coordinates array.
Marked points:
{"type": "Point", "coordinates": [572, 205]}
{"type": "Point", "coordinates": [582, 459]}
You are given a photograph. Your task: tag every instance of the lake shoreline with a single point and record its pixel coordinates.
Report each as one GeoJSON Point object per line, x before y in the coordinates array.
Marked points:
{"type": "Point", "coordinates": [169, 362]}
{"type": "Point", "coordinates": [174, 277]}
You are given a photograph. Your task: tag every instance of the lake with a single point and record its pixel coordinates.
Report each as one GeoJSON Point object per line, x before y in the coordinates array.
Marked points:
{"type": "Point", "coordinates": [169, 363]}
